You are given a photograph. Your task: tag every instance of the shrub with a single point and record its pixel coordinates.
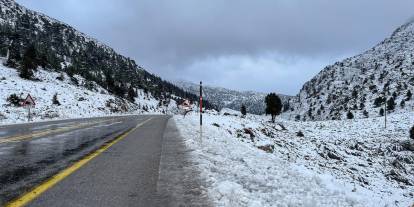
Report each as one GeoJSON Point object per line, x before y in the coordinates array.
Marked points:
{"type": "Point", "coordinates": [366, 114]}
{"type": "Point", "coordinates": [390, 104]}
{"type": "Point", "coordinates": [216, 125]}
{"type": "Point", "coordinates": [61, 77]}
{"type": "Point", "coordinates": [349, 115]}
{"type": "Point", "coordinates": [412, 133]}
{"type": "Point", "coordinates": [243, 110]}
{"type": "Point", "coordinates": [402, 104]}
{"type": "Point", "coordinates": [381, 112]}
{"type": "Point", "coordinates": [55, 100]}
{"type": "Point", "coordinates": [14, 100]}
{"type": "Point", "coordinates": [300, 134]}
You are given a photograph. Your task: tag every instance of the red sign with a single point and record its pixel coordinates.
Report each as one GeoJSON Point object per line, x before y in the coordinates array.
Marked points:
{"type": "Point", "coordinates": [29, 101]}
{"type": "Point", "coordinates": [201, 104]}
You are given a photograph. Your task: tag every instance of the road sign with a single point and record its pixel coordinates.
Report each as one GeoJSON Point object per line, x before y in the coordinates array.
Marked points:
{"type": "Point", "coordinates": [29, 103]}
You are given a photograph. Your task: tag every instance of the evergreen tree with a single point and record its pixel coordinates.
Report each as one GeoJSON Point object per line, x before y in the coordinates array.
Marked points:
{"type": "Point", "coordinates": [390, 104]}
{"type": "Point", "coordinates": [243, 110]}
{"type": "Point", "coordinates": [29, 63]}
{"type": "Point", "coordinates": [361, 106]}
{"type": "Point", "coordinates": [349, 115]}
{"type": "Point", "coordinates": [55, 100]}
{"type": "Point", "coordinates": [409, 95]}
{"type": "Point", "coordinates": [131, 94]}
{"type": "Point", "coordinates": [402, 104]}
{"type": "Point", "coordinates": [412, 133]}
{"type": "Point", "coordinates": [381, 112]}
{"type": "Point", "coordinates": [365, 113]}
{"type": "Point", "coordinates": [273, 105]}
{"type": "Point", "coordinates": [378, 102]}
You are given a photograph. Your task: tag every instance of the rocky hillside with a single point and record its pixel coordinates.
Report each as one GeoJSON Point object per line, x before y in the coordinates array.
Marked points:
{"type": "Point", "coordinates": [359, 86]}
{"type": "Point", "coordinates": [56, 46]}
{"type": "Point", "coordinates": [226, 98]}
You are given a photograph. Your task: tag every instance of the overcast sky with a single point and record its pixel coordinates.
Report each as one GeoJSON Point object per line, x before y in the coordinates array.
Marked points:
{"type": "Point", "coordinates": [261, 45]}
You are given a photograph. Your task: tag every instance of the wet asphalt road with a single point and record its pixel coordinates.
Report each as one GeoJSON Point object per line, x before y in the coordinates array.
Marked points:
{"type": "Point", "coordinates": [148, 167]}
{"type": "Point", "coordinates": [31, 153]}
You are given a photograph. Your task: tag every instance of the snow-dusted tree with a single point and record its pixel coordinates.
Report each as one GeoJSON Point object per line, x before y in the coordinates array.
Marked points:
{"type": "Point", "coordinates": [402, 104]}
{"type": "Point", "coordinates": [273, 105]}
{"type": "Point", "coordinates": [29, 63]}
{"type": "Point", "coordinates": [378, 102]}
{"type": "Point", "coordinates": [243, 110]}
{"type": "Point", "coordinates": [412, 133]}
{"type": "Point", "coordinates": [350, 115]}
{"type": "Point", "coordinates": [131, 94]}
{"type": "Point", "coordinates": [55, 100]}
{"type": "Point", "coordinates": [409, 95]}
{"type": "Point", "coordinates": [381, 112]}
{"type": "Point", "coordinates": [390, 104]}
{"type": "Point", "coordinates": [365, 113]}
{"type": "Point", "coordinates": [14, 100]}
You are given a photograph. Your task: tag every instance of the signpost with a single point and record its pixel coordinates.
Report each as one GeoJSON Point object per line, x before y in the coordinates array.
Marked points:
{"type": "Point", "coordinates": [29, 103]}
{"type": "Point", "coordinates": [201, 103]}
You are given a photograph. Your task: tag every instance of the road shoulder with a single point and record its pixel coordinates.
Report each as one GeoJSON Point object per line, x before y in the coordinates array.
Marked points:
{"type": "Point", "coordinates": [179, 181]}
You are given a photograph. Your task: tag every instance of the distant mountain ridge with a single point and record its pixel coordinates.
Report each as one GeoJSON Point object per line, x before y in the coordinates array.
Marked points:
{"type": "Point", "coordinates": [356, 85]}
{"type": "Point", "coordinates": [227, 98]}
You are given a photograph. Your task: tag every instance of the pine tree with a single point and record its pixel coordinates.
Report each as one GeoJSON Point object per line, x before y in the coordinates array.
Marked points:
{"type": "Point", "coordinates": [243, 110]}
{"type": "Point", "coordinates": [381, 112]}
{"type": "Point", "coordinates": [378, 102]}
{"type": "Point", "coordinates": [409, 95]}
{"type": "Point", "coordinates": [390, 104]}
{"type": "Point", "coordinates": [55, 100]}
{"type": "Point", "coordinates": [131, 94]}
{"type": "Point", "coordinates": [402, 104]}
{"type": "Point", "coordinates": [29, 63]}
{"type": "Point", "coordinates": [365, 113]}
{"type": "Point", "coordinates": [273, 105]}
{"type": "Point", "coordinates": [349, 115]}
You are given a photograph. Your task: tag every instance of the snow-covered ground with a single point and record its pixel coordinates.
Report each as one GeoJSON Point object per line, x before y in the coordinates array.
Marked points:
{"type": "Point", "coordinates": [335, 163]}
{"type": "Point", "coordinates": [76, 100]}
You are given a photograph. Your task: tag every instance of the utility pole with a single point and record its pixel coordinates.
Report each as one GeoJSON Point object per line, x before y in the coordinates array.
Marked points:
{"type": "Point", "coordinates": [385, 108]}
{"type": "Point", "coordinates": [201, 103]}
{"type": "Point", "coordinates": [385, 113]}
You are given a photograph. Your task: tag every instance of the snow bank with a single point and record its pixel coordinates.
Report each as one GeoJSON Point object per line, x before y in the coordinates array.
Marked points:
{"type": "Point", "coordinates": [321, 169]}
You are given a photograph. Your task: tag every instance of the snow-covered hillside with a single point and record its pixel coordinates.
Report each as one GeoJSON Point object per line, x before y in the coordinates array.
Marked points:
{"type": "Point", "coordinates": [226, 98]}
{"type": "Point", "coordinates": [354, 84]}
{"type": "Point", "coordinates": [76, 100]}
{"type": "Point", "coordinates": [252, 162]}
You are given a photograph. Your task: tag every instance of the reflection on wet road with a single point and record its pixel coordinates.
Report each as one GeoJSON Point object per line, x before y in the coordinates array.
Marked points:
{"type": "Point", "coordinates": [31, 153]}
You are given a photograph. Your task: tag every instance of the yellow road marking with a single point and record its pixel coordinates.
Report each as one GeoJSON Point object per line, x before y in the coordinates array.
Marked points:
{"type": "Point", "coordinates": [47, 132]}
{"type": "Point", "coordinates": [39, 190]}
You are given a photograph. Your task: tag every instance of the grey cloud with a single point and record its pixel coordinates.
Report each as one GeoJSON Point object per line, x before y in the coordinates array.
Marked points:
{"type": "Point", "coordinates": [173, 37]}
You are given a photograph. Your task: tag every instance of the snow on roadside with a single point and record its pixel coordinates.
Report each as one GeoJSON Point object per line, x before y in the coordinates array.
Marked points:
{"type": "Point", "coordinates": [242, 175]}
{"type": "Point", "coordinates": [300, 170]}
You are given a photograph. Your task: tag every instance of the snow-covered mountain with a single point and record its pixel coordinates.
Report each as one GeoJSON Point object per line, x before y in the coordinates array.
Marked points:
{"type": "Point", "coordinates": [356, 84]}
{"type": "Point", "coordinates": [226, 98]}
{"type": "Point", "coordinates": [58, 47]}
{"type": "Point", "coordinates": [75, 98]}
